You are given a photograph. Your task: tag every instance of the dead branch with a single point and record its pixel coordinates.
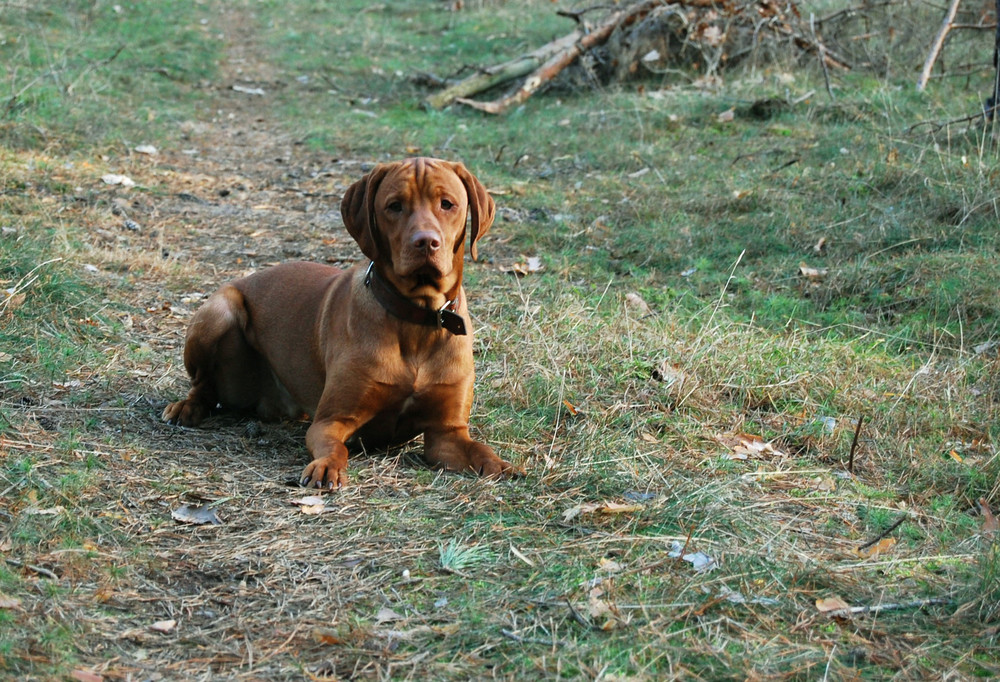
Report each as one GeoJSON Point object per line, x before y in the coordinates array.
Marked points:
{"type": "Point", "coordinates": [560, 60]}
{"type": "Point", "coordinates": [701, 33]}
{"type": "Point", "coordinates": [936, 46]}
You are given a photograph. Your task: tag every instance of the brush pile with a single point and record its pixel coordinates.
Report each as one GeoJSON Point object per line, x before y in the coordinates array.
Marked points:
{"type": "Point", "coordinates": [700, 37]}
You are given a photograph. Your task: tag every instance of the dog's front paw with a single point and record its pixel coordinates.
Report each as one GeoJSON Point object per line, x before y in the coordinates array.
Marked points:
{"type": "Point", "coordinates": [185, 412]}
{"type": "Point", "coordinates": [326, 472]}
{"type": "Point", "coordinates": [484, 461]}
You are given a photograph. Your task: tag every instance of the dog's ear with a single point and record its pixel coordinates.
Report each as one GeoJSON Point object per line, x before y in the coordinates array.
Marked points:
{"type": "Point", "coordinates": [358, 210]}
{"type": "Point", "coordinates": [481, 206]}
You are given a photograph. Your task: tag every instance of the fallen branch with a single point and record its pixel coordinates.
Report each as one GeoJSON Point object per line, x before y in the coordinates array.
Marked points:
{"type": "Point", "coordinates": [878, 608]}
{"type": "Point", "coordinates": [949, 21]}
{"type": "Point", "coordinates": [564, 57]}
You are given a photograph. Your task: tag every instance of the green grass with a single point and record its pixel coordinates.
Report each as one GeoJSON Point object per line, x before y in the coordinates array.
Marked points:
{"type": "Point", "coordinates": [80, 75]}
{"type": "Point", "coordinates": [618, 191]}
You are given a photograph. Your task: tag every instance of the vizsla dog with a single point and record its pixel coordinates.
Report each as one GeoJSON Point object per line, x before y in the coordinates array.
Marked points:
{"type": "Point", "coordinates": [380, 352]}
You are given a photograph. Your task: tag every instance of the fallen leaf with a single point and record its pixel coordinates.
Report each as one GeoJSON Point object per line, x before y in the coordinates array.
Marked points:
{"type": "Point", "coordinates": [880, 547]}
{"type": "Point", "coordinates": [813, 274]}
{"type": "Point", "coordinates": [115, 179]}
{"type": "Point", "coordinates": [990, 523]}
{"type": "Point", "coordinates": [609, 565]}
{"type": "Point", "coordinates": [727, 116]}
{"type": "Point", "coordinates": [955, 456]}
{"type": "Point", "coordinates": [571, 407]}
{"type": "Point", "coordinates": [669, 373]}
{"type": "Point", "coordinates": [820, 245]}
{"type": "Point", "coordinates": [164, 626]}
{"type": "Point", "coordinates": [600, 507]}
{"type": "Point", "coordinates": [385, 615]}
{"type": "Point", "coordinates": [248, 91]}
{"type": "Point", "coordinates": [618, 508]}
{"type": "Point", "coordinates": [9, 602]}
{"type": "Point", "coordinates": [51, 511]}
{"type": "Point", "coordinates": [831, 604]}
{"type": "Point", "coordinates": [197, 515]}
{"type": "Point", "coordinates": [85, 676]}
{"type": "Point", "coordinates": [635, 302]}
{"type": "Point", "coordinates": [324, 636]}
{"type": "Point", "coordinates": [311, 504]}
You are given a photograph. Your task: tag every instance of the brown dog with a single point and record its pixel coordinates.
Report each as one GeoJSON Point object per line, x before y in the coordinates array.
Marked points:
{"type": "Point", "coordinates": [381, 352]}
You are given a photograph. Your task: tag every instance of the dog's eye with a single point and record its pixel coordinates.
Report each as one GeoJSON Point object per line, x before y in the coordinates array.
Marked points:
{"type": "Point", "coordinates": [447, 205]}
{"type": "Point", "coordinates": [395, 206]}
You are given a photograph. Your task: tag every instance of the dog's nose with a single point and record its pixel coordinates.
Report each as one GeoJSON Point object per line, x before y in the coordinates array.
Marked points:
{"type": "Point", "coordinates": [426, 241]}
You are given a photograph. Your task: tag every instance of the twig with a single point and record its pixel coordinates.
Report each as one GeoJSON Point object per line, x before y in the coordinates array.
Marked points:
{"type": "Point", "coordinates": [579, 618]}
{"type": "Point", "coordinates": [854, 445]}
{"type": "Point", "coordinates": [886, 532]}
{"type": "Point", "coordinates": [878, 608]}
{"type": "Point", "coordinates": [821, 50]}
{"type": "Point", "coordinates": [35, 569]}
{"type": "Point", "coordinates": [936, 46]}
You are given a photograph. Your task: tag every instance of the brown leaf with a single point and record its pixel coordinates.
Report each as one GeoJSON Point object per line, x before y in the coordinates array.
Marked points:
{"type": "Point", "coordinates": [85, 676]}
{"type": "Point", "coordinates": [164, 626]}
{"type": "Point", "coordinates": [9, 602]}
{"type": "Point", "coordinates": [831, 604]}
{"type": "Point", "coordinates": [813, 274]}
{"type": "Point", "coordinates": [880, 547]}
{"type": "Point", "coordinates": [635, 301]}
{"type": "Point", "coordinates": [990, 523]}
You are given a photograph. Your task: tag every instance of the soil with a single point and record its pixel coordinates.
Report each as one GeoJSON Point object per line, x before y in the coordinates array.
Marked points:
{"type": "Point", "coordinates": [257, 595]}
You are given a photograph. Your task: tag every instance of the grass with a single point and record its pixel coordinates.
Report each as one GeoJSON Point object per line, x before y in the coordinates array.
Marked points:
{"type": "Point", "coordinates": [669, 321]}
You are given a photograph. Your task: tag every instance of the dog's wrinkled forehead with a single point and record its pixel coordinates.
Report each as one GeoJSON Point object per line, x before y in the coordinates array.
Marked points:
{"type": "Point", "coordinates": [423, 177]}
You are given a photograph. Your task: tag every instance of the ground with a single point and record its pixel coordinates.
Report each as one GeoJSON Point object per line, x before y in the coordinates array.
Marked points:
{"type": "Point", "coordinates": [654, 537]}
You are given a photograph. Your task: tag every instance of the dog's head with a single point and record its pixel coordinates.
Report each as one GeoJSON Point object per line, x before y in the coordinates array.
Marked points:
{"type": "Point", "coordinates": [411, 216]}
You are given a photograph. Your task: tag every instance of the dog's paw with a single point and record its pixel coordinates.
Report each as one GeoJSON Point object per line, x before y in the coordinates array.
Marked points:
{"type": "Point", "coordinates": [185, 413]}
{"type": "Point", "coordinates": [484, 461]}
{"type": "Point", "coordinates": [324, 473]}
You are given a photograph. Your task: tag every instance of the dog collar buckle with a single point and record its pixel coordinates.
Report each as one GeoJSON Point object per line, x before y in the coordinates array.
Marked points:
{"type": "Point", "coordinates": [448, 319]}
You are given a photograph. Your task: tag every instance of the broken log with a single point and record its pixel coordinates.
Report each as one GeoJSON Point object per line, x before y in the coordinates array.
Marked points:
{"type": "Point", "coordinates": [563, 58]}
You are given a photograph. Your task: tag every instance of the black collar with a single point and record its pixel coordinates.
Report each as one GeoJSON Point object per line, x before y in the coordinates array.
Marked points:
{"type": "Point", "coordinates": [399, 306]}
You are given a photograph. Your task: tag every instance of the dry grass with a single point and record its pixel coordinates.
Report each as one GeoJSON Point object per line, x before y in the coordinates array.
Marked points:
{"type": "Point", "coordinates": [625, 418]}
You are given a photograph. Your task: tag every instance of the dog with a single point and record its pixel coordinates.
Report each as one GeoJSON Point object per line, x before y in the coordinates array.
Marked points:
{"type": "Point", "coordinates": [381, 352]}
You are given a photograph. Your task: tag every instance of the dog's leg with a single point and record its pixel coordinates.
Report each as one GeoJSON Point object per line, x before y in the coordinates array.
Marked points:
{"type": "Point", "coordinates": [453, 449]}
{"type": "Point", "coordinates": [224, 369]}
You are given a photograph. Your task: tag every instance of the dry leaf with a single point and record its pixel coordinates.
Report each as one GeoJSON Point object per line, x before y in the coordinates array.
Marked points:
{"type": "Point", "coordinates": [727, 116]}
{"type": "Point", "coordinates": [880, 547]}
{"type": "Point", "coordinates": [813, 274]}
{"type": "Point", "coordinates": [955, 456]}
{"type": "Point", "coordinates": [820, 245]}
{"type": "Point", "coordinates": [385, 615]}
{"type": "Point", "coordinates": [115, 179]}
{"type": "Point", "coordinates": [635, 302]}
{"type": "Point", "coordinates": [85, 676]}
{"type": "Point", "coordinates": [164, 626]}
{"type": "Point", "coordinates": [197, 515]}
{"type": "Point", "coordinates": [618, 508]}
{"type": "Point", "coordinates": [600, 507]}
{"type": "Point", "coordinates": [311, 504]}
{"type": "Point", "coordinates": [609, 565]}
{"type": "Point", "coordinates": [990, 523]}
{"type": "Point", "coordinates": [831, 604]}
{"type": "Point", "coordinates": [9, 602]}
{"type": "Point", "coordinates": [324, 636]}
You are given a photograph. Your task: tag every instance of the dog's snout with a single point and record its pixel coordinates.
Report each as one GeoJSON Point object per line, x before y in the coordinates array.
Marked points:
{"type": "Point", "coordinates": [426, 241]}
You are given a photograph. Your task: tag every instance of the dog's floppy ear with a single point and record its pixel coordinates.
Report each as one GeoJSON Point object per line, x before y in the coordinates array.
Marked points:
{"type": "Point", "coordinates": [481, 206]}
{"type": "Point", "coordinates": [358, 210]}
